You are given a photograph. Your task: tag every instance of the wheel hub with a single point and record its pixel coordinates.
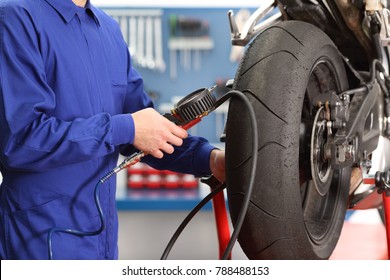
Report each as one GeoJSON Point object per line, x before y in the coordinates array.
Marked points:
{"type": "Point", "coordinates": [320, 164]}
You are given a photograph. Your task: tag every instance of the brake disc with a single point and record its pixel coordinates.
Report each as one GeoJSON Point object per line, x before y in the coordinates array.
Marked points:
{"type": "Point", "coordinates": [321, 169]}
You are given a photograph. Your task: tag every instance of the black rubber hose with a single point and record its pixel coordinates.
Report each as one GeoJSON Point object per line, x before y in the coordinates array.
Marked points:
{"type": "Point", "coordinates": [248, 194]}
{"type": "Point", "coordinates": [189, 218]}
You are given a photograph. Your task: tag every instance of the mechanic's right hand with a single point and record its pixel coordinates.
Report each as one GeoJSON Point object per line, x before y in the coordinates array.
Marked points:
{"type": "Point", "coordinates": [154, 134]}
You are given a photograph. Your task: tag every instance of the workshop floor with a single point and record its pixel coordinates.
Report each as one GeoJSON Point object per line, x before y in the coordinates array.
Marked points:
{"type": "Point", "coordinates": [363, 238]}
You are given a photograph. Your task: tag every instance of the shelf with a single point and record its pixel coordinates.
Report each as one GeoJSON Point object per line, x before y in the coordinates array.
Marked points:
{"type": "Point", "coordinates": [165, 200]}
{"type": "Point", "coordinates": [190, 43]}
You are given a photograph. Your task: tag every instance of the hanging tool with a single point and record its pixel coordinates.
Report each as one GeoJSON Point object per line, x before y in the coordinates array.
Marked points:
{"type": "Point", "coordinates": [142, 31]}
{"type": "Point", "coordinates": [188, 29]}
{"type": "Point", "coordinates": [188, 37]}
{"type": "Point", "coordinates": [141, 41]}
{"type": "Point", "coordinates": [133, 36]}
{"type": "Point", "coordinates": [149, 57]}
{"type": "Point", "coordinates": [158, 45]}
{"type": "Point", "coordinates": [124, 25]}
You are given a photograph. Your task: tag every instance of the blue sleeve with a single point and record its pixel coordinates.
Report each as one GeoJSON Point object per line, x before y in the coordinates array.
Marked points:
{"type": "Point", "coordinates": [31, 138]}
{"type": "Point", "coordinates": [193, 157]}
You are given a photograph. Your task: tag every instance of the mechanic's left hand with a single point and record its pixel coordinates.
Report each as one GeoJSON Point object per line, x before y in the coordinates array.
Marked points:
{"type": "Point", "coordinates": [217, 164]}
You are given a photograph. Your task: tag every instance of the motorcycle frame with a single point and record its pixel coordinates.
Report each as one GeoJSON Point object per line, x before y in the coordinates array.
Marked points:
{"type": "Point", "coordinates": [319, 13]}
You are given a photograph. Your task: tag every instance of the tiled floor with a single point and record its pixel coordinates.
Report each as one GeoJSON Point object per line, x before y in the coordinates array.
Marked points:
{"type": "Point", "coordinates": [363, 238]}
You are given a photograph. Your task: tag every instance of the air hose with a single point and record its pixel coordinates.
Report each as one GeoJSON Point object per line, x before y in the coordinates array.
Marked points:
{"type": "Point", "coordinates": [79, 232]}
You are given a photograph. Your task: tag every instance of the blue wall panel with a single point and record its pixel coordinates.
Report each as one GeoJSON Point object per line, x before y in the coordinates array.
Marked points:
{"type": "Point", "coordinates": [215, 64]}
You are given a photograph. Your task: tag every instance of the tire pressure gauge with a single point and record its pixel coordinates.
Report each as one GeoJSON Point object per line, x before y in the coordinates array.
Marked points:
{"type": "Point", "coordinates": [192, 108]}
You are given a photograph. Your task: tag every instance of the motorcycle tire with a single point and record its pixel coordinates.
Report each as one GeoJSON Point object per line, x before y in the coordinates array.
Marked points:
{"type": "Point", "coordinates": [293, 214]}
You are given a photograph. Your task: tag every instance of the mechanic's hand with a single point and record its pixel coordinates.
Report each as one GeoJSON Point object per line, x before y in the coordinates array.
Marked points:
{"type": "Point", "coordinates": [154, 134]}
{"type": "Point", "coordinates": [217, 164]}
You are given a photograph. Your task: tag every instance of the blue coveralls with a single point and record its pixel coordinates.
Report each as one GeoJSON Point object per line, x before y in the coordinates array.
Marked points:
{"type": "Point", "coordinates": [67, 88]}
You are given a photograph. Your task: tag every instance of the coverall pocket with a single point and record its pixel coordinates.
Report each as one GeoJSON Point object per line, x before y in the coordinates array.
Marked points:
{"type": "Point", "coordinates": [118, 78]}
{"type": "Point", "coordinates": [118, 89]}
{"type": "Point", "coordinates": [28, 231]}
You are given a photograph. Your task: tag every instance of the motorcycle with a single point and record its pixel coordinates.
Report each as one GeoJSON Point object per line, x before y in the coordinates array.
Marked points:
{"type": "Point", "coordinates": [316, 74]}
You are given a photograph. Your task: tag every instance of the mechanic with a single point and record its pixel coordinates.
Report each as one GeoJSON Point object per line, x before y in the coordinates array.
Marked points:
{"type": "Point", "coordinates": [70, 103]}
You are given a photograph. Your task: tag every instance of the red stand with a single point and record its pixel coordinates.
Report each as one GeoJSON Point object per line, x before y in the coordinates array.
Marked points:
{"type": "Point", "coordinates": [221, 220]}
{"type": "Point", "coordinates": [386, 209]}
